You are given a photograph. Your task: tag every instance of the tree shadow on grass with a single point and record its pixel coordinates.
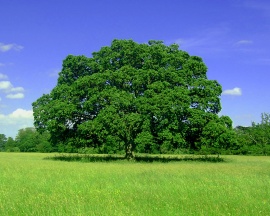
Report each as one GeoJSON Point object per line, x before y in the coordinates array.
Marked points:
{"type": "Point", "coordinates": [144, 158]}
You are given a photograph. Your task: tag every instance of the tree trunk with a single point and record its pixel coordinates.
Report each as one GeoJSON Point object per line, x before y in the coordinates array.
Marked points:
{"type": "Point", "coordinates": [129, 152]}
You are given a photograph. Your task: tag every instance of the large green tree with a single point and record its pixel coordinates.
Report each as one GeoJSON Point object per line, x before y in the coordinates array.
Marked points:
{"type": "Point", "coordinates": [132, 97]}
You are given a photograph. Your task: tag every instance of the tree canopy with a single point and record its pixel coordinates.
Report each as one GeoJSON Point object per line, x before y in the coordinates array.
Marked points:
{"type": "Point", "coordinates": [131, 97]}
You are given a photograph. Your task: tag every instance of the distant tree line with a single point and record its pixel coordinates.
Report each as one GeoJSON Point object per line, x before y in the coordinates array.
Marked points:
{"type": "Point", "coordinates": [254, 139]}
{"type": "Point", "coordinates": [27, 140]}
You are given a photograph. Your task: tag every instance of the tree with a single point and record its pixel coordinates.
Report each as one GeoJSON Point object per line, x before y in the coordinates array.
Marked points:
{"type": "Point", "coordinates": [218, 134]}
{"type": "Point", "coordinates": [26, 140]}
{"type": "Point", "coordinates": [43, 144]}
{"type": "Point", "coordinates": [11, 145]}
{"type": "Point", "coordinates": [3, 141]}
{"type": "Point", "coordinates": [132, 97]}
{"type": "Point", "coordinates": [256, 138]}
{"type": "Point", "coordinates": [29, 140]}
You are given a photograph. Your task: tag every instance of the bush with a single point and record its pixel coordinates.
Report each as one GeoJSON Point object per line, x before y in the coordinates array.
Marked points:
{"type": "Point", "coordinates": [14, 149]}
{"type": "Point", "coordinates": [88, 150]}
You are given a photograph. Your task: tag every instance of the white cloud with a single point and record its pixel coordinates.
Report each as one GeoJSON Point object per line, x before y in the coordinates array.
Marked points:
{"type": "Point", "coordinates": [5, 64]}
{"type": "Point", "coordinates": [12, 92]}
{"type": "Point", "coordinates": [54, 72]}
{"type": "Point", "coordinates": [15, 96]}
{"type": "Point", "coordinates": [235, 91]}
{"type": "Point", "coordinates": [18, 119]}
{"type": "Point", "coordinates": [21, 114]}
{"type": "Point", "coordinates": [5, 85]}
{"type": "Point", "coordinates": [7, 47]}
{"type": "Point", "coordinates": [244, 42]}
{"type": "Point", "coordinates": [191, 42]}
{"type": "Point", "coordinates": [262, 7]}
{"type": "Point", "coordinates": [3, 76]}
{"type": "Point", "coordinates": [205, 41]}
{"type": "Point", "coordinates": [264, 61]}
{"type": "Point", "coordinates": [17, 89]}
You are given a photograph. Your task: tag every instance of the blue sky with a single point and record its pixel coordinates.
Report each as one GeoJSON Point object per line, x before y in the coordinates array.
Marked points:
{"type": "Point", "coordinates": [231, 36]}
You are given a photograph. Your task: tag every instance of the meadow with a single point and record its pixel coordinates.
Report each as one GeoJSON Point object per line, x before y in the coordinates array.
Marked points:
{"type": "Point", "coordinates": [30, 185]}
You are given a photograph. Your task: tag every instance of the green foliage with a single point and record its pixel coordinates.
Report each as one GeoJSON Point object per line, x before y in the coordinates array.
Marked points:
{"type": "Point", "coordinates": [8, 144]}
{"type": "Point", "coordinates": [14, 149]}
{"type": "Point", "coordinates": [255, 139]}
{"type": "Point", "coordinates": [27, 140]}
{"type": "Point", "coordinates": [87, 150]}
{"type": "Point", "coordinates": [218, 134]}
{"type": "Point", "coordinates": [134, 97]}
{"type": "Point", "coordinates": [3, 141]}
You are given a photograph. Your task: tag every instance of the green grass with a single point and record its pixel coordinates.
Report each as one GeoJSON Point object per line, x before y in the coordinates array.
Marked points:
{"type": "Point", "coordinates": [30, 185]}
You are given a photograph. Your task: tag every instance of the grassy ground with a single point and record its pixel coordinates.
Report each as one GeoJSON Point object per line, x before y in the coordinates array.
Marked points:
{"type": "Point", "coordinates": [30, 185]}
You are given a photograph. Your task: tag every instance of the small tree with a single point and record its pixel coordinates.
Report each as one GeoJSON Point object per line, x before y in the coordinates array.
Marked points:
{"type": "Point", "coordinates": [29, 140]}
{"type": "Point", "coordinates": [256, 138]}
{"type": "Point", "coordinates": [3, 141]}
{"type": "Point", "coordinates": [10, 145]}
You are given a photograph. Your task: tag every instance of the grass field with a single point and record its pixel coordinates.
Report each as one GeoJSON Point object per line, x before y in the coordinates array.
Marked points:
{"type": "Point", "coordinates": [30, 185]}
